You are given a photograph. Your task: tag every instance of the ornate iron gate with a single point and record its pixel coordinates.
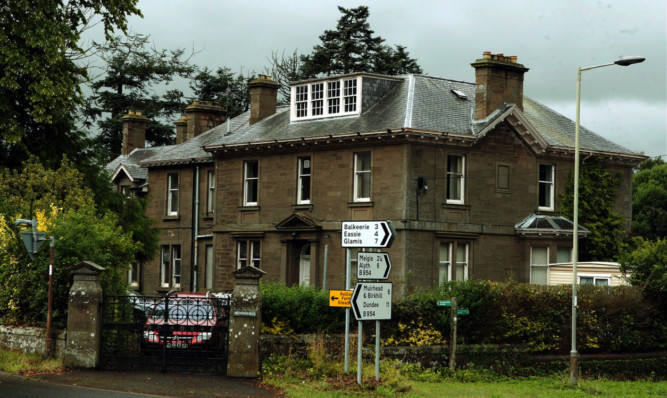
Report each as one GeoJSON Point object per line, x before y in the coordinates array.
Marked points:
{"type": "Point", "coordinates": [178, 331]}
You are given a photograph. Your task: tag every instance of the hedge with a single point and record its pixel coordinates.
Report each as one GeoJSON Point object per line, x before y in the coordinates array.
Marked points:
{"type": "Point", "coordinates": [537, 318]}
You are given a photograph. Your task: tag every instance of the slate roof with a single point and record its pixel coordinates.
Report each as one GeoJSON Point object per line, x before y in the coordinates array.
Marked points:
{"type": "Point", "coordinates": [417, 102]}
{"type": "Point", "coordinates": [130, 162]}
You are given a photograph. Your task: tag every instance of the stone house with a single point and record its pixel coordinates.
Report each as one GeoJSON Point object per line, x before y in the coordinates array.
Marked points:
{"type": "Point", "coordinates": [469, 174]}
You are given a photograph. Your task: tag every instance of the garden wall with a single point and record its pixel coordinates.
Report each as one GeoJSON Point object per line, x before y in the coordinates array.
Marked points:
{"type": "Point", "coordinates": [31, 340]}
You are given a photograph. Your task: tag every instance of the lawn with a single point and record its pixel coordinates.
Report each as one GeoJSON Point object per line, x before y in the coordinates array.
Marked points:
{"type": "Point", "coordinates": [524, 387]}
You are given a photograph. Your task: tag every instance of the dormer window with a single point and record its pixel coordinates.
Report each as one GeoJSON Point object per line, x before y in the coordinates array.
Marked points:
{"type": "Point", "coordinates": [339, 97]}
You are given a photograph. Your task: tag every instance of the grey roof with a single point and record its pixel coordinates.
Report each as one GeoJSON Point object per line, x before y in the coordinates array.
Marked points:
{"type": "Point", "coordinates": [130, 162]}
{"type": "Point", "coordinates": [417, 102]}
{"type": "Point", "coordinates": [559, 130]}
{"type": "Point", "coordinates": [192, 150]}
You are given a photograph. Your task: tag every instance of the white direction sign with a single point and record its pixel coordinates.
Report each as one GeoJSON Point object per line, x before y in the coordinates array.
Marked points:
{"type": "Point", "coordinates": [367, 234]}
{"type": "Point", "coordinates": [372, 301]}
{"type": "Point", "coordinates": [373, 265]}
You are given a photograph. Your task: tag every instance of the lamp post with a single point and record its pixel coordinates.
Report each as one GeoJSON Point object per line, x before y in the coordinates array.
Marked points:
{"type": "Point", "coordinates": [33, 241]}
{"type": "Point", "coordinates": [574, 356]}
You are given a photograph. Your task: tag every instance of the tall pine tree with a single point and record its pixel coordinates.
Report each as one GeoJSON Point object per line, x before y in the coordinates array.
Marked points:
{"type": "Point", "coordinates": [132, 72]}
{"type": "Point", "coordinates": [352, 47]}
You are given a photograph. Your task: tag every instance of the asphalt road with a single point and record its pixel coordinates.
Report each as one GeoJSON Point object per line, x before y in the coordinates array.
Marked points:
{"type": "Point", "coordinates": [114, 384]}
{"type": "Point", "coordinates": [12, 386]}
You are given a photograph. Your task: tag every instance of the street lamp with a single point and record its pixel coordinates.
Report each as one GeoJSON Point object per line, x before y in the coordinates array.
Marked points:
{"type": "Point", "coordinates": [32, 241]}
{"type": "Point", "coordinates": [574, 356]}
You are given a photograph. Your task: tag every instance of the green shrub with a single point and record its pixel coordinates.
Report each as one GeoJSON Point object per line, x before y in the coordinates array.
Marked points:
{"type": "Point", "coordinates": [535, 318]}
{"type": "Point", "coordinates": [301, 309]}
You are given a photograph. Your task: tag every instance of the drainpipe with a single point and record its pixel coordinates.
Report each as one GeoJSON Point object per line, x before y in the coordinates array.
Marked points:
{"type": "Point", "coordinates": [195, 232]}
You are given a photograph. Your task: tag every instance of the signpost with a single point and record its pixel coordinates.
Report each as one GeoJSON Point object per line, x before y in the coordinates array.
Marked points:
{"type": "Point", "coordinates": [373, 265]}
{"type": "Point", "coordinates": [454, 312]}
{"type": "Point", "coordinates": [374, 234]}
{"type": "Point", "coordinates": [370, 300]}
{"type": "Point", "coordinates": [340, 298]}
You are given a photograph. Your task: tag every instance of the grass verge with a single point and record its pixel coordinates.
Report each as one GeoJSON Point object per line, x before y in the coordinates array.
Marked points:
{"type": "Point", "coordinates": [322, 375]}
{"type": "Point", "coordinates": [17, 362]}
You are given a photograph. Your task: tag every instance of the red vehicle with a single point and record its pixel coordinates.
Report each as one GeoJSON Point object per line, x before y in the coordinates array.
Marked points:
{"type": "Point", "coordinates": [185, 321]}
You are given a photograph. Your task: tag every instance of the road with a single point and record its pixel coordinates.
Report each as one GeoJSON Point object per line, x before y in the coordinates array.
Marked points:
{"type": "Point", "coordinates": [12, 386]}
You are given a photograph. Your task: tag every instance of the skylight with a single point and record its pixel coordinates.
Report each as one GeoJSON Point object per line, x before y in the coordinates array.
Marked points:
{"type": "Point", "coordinates": [460, 94]}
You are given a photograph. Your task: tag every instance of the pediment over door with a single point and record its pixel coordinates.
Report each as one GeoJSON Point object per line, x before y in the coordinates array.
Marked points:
{"type": "Point", "coordinates": [298, 222]}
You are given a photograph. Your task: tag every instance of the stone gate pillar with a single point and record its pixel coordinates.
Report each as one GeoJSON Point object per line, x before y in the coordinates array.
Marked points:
{"type": "Point", "coordinates": [244, 323]}
{"type": "Point", "coordinates": [84, 317]}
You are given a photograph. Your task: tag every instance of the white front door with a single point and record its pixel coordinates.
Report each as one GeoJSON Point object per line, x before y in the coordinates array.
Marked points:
{"type": "Point", "coordinates": [304, 266]}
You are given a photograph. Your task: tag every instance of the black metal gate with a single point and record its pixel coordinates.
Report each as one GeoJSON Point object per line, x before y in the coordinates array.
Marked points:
{"type": "Point", "coordinates": [178, 331]}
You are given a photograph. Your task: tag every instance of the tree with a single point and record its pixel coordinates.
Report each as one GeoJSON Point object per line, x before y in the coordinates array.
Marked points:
{"type": "Point", "coordinates": [39, 47]}
{"type": "Point", "coordinates": [597, 194]}
{"type": "Point", "coordinates": [285, 69]}
{"type": "Point", "coordinates": [649, 200]}
{"type": "Point", "coordinates": [350, 48]}
{"type": "Point", "coordinates": [353, 48]}
{"type": "Point", "coordinates": [223, 88]}
{"type": "Point", "coordinates": [64, 208]}
{"type": "Point", "coordinates": [647, 267]}
{"type": "Point", "coordinates": [132, 71]}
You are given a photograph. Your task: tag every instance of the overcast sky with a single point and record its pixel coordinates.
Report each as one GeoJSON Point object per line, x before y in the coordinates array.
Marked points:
{"type": "Point", "coordinates": [551, 38]}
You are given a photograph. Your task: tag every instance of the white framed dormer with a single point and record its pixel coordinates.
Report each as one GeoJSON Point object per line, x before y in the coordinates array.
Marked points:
{"type": "Point", "coordinates": [326, 98]}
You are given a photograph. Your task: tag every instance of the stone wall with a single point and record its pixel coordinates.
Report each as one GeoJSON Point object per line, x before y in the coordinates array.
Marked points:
{"type": "Point", "coordinates": [31, 340]}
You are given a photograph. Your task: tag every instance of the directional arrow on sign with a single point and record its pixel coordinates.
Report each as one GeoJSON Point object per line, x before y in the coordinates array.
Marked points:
{"type": "Point", "coordinates": [372, 301]}
{"type": "Point", "coordinates": [367, 234]}
{"type": "Point", "coordinates": [373, 265]}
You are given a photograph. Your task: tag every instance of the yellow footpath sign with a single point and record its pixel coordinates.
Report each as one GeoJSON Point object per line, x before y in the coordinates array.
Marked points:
{"type": "Point", "coordinates": [340, 298]}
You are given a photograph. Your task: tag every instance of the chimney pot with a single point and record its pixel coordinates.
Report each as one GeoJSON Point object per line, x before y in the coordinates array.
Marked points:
{"type": "Point", "coordinates": [263, 98]}
{"type": "Point", "coordinates": [498, 81]}
{"type": "Point", "coordinates": [200, 116]}
{"type": "Point", "coordinates": [134, 131]}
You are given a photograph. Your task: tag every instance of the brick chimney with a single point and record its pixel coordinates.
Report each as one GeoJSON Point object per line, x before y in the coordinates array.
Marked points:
{"type": "Point", "coordinates": [134, 131]}
{"type": "Point", "coordinates": [201, 116]}
{"type": "Point", "coordinates": [498, 80]}
{"type": "Point", "coordinates": [181, 129]}
{"type": "Point", "coordinates": [263, 98]}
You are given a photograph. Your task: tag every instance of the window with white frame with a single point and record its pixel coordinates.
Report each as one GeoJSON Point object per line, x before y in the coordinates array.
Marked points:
{"type": "Point", "coordinates": [546, 187]}
{"type": "Point", "coordinates": [208, 265]}
{"type": "Point", "coordinates": [247, 253]}
{"type": "Point", "coordinates": [301, 101]}
{"type": "Point", "coordinates": [539, 270]}
{"type": "Point", "coordinates": [350, 95]}
{"type": "Point", "coordinates": [317, 99]}
{"type": "Point", "coordinates": [172, 194]}
{"type": "Point", "coordinates": [210, 192]}
{"type": "Point", "coordinates": [303, 183]}
{"type": "Point", "coordinates": [170, 269]}
{"type": "Point", "coordinates": [455, 178]}
{"type": "Point", "coordinates": [362, 177]}
{"type": "Point", "coordinates": [338, 97]}
{"type": "Point", "coordinates": [333, 97]}
{"type": "Point", "coordinates": [250, 182]}
{"type": "Point", "coordinates": [596, 280]}
{"type": "Point", "coordinates": [458, 270]}
{"type": "Point", "coordinates": [563, 254]}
